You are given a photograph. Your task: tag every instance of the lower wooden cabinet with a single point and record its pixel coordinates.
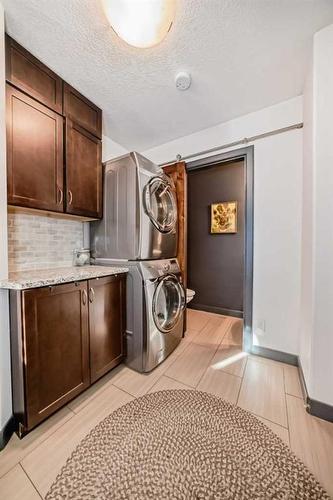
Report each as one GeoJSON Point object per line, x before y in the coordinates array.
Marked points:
{"type": "Point", "coordinates": [106, 325]}
{"type": "Point", "coordinates": [63, 338]}
{"type": "Point", "coordinates": [56, 345]}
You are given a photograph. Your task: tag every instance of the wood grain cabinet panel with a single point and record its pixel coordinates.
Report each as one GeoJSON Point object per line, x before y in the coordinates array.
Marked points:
{"type": "Point", "coordinates": [63, 338]}
{"type": "Point", "coordinates": [34, 153]}
{"type": "Point", "coordinates": [82, 111]}
{"type": "Point", "coordinates": [83, 172]}
{"type": "Point", "coordinates": [38, 166]}
{"type": "Point", "coordinates": [56, 344]}
{"type": "Point", "coordinates": [106, 324]}
{"type": "Point", "coordinates": [30, 75]}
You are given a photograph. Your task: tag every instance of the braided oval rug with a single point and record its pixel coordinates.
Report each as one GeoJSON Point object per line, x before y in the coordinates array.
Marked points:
{"type": "Point", "coordinates": [181, 444]}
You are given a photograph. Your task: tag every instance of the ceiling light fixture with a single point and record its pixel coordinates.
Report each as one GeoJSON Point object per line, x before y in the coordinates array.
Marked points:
{"type": "Point", "coordinates": [141, 23]}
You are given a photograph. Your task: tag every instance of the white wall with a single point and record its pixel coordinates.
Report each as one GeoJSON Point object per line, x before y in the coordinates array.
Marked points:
{"type": "Point", "coordinates": [322, 344]}
{"type": "Point", "coordinates": [5, 376]}
{"type": "Point", "coordinates": [317, 268]}
{"type": "Point", "coordinates": [277, 214]}
{"type": "Point", "coordinates": [111, 149]}
{"type": "Point", "coordinates": [307, 278]}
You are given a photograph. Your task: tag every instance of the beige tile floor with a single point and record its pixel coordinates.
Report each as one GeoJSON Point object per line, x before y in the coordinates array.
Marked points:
{"type": "Point", "coordinates": [210, 359]}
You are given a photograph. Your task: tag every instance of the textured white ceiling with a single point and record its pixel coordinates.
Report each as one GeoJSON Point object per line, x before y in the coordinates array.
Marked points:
{"type": "Point", "coordinates": [243, 55]}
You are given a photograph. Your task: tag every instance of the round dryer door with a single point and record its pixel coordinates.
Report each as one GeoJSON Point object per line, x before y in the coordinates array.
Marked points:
{"type": "Point", "coordinates": [160, 204]}
{"type": "Point", "coordinates": [168, 303]}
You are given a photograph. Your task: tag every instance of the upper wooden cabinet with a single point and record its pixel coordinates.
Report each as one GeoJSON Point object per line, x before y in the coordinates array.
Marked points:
{"type": "Point", "coordinates": [39, 160]}
{"type": "Point", "coordinates": [34, 153]}
{"type": "Point", "coordinates": [79, 109]}
{"type": "Point", "coordinates": [30, 75]}
{"type": "Point", "coordinates": [83, 172]}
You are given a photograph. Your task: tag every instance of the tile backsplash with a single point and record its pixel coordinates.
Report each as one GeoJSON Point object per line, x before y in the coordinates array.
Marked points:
{"type": "Point", "coordinates": [39, 242]}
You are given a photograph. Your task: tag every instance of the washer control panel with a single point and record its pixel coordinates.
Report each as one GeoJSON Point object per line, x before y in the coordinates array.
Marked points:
{"type": "Point", "coordinates": [154, 268]}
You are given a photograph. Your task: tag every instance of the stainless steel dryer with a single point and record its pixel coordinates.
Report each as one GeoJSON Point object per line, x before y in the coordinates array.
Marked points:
{"type": "Point", "coordinates": [156, 302]}
{"type": "Point", "coordinates": [140, 212]}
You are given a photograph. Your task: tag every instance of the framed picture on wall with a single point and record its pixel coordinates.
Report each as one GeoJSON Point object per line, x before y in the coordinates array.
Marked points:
{"type": "Point", "coordinates": [224, 217]}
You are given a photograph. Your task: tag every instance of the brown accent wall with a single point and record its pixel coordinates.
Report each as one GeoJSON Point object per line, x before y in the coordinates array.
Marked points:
{"type": "Point", "coordinates": [216, 261]}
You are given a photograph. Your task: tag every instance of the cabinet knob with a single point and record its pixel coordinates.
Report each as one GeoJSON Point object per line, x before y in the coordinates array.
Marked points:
{"type": "Point", "coordinates": [70, 197]}
{"type": "Point", "coordinates": [84, 297]}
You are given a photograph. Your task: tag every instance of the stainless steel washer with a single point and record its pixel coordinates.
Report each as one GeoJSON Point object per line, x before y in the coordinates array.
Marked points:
{"type": "Point", "coordinates": [165, 301]}
{"type": "Point", "coordinates": [156, 302]}
{"type": "Point", "coordinates": [140, 212]}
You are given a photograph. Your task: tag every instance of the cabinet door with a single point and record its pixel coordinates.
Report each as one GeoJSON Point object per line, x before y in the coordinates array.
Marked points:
{"type": "Point", "coordinates": [34, 153]}
{"type": "Point", "coordinates": [82, 111]}
{"type": "Point", "coordinates": [56, 343]}
{"type": "Point", "coordinates": [106, 324]}
{"type": "Point", "coordinates": [83, 172]}
{"type": "Point", "coordinates": [30, 75]}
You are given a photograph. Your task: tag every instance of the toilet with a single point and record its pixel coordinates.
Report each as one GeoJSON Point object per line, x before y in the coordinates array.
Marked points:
{"type": "Point", "coordinates": [189, 295]}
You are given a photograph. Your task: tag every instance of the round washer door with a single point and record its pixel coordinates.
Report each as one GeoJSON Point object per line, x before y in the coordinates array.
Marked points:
{"type": "Point", "coordinates": [160, 204]}
{"type": "Point", "coordinates": [168, 303]}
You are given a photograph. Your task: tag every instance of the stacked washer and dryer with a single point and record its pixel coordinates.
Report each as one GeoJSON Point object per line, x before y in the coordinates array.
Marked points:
{"type": "Point", "coordinates": [140, 225]}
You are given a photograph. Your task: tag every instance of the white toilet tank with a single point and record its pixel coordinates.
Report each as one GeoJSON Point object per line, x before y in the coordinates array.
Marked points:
{"type": "Point", "coordinates": [189, 295]}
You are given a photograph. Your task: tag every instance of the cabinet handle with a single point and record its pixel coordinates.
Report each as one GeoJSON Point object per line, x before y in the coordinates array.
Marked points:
{"type": "Point", "coordinates": [60, 191]}
{"type": "Point", "coordinates": [91, 294]}
{"type": "Point", "coordinates": [70, 196]}
{"type": "Point", "coordinates": [84, 297]}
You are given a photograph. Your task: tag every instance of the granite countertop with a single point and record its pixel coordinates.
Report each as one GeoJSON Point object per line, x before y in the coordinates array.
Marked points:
{"type": "Point", "coordinates": [22, 280]}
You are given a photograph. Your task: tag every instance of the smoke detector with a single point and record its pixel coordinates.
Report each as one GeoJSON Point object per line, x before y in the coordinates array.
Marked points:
{"type": "Point", "coordinates": [183, 80]}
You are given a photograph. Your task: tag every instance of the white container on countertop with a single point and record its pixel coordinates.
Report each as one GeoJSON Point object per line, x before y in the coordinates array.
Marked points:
{"type": "Point", "coordinates": [81, 256]}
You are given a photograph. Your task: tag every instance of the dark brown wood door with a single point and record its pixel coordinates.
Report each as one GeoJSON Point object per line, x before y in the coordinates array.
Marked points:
{"type": "Point", "coordinates": [30, 75]}
{"type": "Point", "coordinates": [83, 172]}
{"type": "Point", "coordinates": [34, 153]}
{"type": "Point", "coordinates": [177, 172]}
{"type": "Point", "coordinates": [106, 323]}
{"type": "Point", "coordinates": [56, 339]}
{"type": "Point", "coordinates": [82, 111]}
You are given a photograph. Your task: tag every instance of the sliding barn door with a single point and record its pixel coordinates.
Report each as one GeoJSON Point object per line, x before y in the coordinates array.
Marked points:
{"type": "Point", "coordinates": [177, 171]}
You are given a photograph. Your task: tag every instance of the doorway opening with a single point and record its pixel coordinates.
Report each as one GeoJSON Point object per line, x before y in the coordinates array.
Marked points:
{"type": "Point", "coordinates": [220, 242]}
